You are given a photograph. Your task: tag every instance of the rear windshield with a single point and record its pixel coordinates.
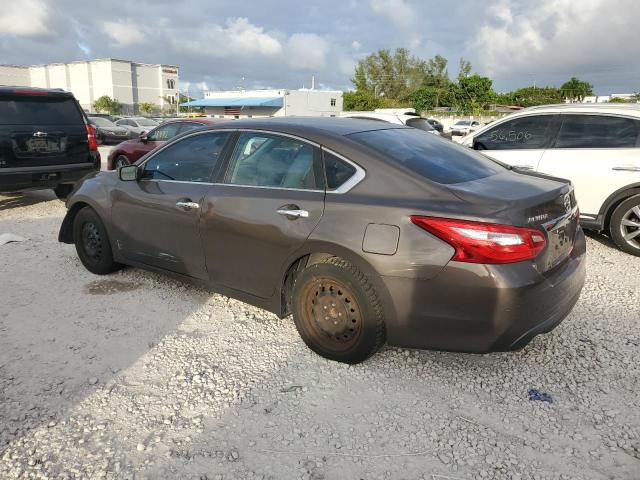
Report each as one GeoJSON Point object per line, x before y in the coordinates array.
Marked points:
{"type": "Point", "coordinates": [30, 110]}
{"type": "Point", "coordinates": [425, 154]}
{"type": "Point", "coordinates": [102, 122]}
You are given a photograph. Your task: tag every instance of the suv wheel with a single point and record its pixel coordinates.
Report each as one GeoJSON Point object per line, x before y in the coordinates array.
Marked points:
{"type": "Point", "coordinates": [120, 161]}
{"type": "Point", "coordinates": [624, 226]}
{"type": "Point", "coordinates": [63, 190]}
{"type": "Point", "coordinates": [337, 312]}
{"type": "Point", "coordinates": [92, 242]}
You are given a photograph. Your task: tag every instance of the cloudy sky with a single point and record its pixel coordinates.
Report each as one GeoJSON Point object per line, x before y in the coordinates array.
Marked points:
{"type": "Point", "coordinates": [222, 44]}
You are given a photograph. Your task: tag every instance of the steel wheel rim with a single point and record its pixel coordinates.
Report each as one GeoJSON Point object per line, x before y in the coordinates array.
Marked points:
{"type": "Point", "coordinates": [91, 241]}
{"type": "Point", "coordinates": [332, 313]}
{"type": "Point", "coordinates": [630, 226]}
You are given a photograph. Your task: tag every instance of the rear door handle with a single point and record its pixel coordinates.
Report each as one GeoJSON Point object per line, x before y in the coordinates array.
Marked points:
{"type": "Point", "coordinates": [187, 205]}
{"type": "Point", "coordinates": [293, 213]}
{"type": "Point", "coordinates": [626, 169]}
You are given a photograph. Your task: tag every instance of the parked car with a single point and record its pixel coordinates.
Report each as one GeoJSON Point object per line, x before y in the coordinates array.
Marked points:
{"type": "Point", "coordinates": [596, 146]}
{"type": "Point", "coordinates": [111, 118]}
{"type": "Point", "coordinates": [45, 140]}
{"type": "Point", "coordinates": [436, 125]}
{"type": "Point", "coordinates": [364, 232]}
{"type": "Point", "coordinates": [464, 127]}
{"type": "Point", "coordinates": [107, 131]}
{"type": "Point", "coordinates": [130, 151]}
{"type": "Point", "coordinates": [137, 125]}
{"type": "Point", "coordinates": [402, 118]}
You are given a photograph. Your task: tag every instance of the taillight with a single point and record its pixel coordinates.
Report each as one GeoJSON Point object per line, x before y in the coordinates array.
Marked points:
{"type": "Point", "coordinates": [91, 136]}
{"type": "Point", "coordinates": [479, 242]}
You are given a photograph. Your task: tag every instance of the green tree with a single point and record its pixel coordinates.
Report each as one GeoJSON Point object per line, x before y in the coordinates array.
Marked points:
{"type": "Point", "coordinates": [396, 75]}
{"type": "Point", "coordinates": [147, 108]}
{"type": "Point", "coordinates": [427, 98]}
{"type": "Point", "coordinates": [472, 94]}
{"type": "Point", "coordinates": [576, 90]}
{"type": "Point", "coordinates": [106, 104]}
{"type": "Point", "coordinates": [619, 100]}
{"type": "Point", "coordinates": [360, 100]}
{"type": "Point", "coordinates": [531, 96]}
{"type": "Point", "coordinates": [464, 68]}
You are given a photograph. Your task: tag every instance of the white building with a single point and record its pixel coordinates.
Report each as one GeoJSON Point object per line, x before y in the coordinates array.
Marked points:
{"type": "Point", "coordinates": [627, 97]}
{"type": "Point", "coordinates": [270, 103]}
{"type": "Point", "coordinates": [128, 82]}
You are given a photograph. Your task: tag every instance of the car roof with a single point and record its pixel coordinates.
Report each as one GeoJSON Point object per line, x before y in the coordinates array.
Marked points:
{"type": "Point", "coordinates": [6, 90]}
{"type": "Point", "coordinates": [336, 126]}
{"type": "Point", "coordinates": [632, 109]}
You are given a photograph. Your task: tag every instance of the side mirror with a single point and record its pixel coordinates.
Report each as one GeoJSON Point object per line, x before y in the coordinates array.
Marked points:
{"type": "Point", "coordinates": [128, 173]}
{"type": "Point", "coordinates": [143, 137]}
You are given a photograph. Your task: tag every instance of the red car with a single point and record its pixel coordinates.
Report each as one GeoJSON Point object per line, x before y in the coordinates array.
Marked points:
{"type": "Point", "coordinates": [130, 151]}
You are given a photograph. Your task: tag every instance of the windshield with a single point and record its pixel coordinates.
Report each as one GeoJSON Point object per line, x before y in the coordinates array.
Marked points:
{"type": "Point", "coordinates": [146, 122]}
{"type": "Point", "coordinates": [425, 154]}
{"type": "Point", "coordinates": [102, 122]}
{"type": "Point", "coordinates": [463, 122]}
{"type": "Point", "coordinates": [420, 123]}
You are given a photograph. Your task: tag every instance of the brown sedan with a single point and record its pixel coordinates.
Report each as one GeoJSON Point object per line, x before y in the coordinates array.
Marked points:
{"type": "Point", "coordinates": [365, 232]}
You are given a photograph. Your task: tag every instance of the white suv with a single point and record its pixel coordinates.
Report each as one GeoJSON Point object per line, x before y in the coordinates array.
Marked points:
{"type": "Point", "coordinates": [596, 146]}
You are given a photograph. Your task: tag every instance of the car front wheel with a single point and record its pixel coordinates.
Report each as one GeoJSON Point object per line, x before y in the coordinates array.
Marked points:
{"type": "Point", "coordinates": [92, 242]}
{"type": "Point", "coordinates": [624, 226]}
{"type": "Point", "coordinates": [337, 312]}
{"type": "Point", "coordinates": [120, 161]}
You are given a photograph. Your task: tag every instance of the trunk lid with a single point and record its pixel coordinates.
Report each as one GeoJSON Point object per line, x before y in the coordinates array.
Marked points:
{"type": "Point", "coordinates": [41, 130]}
{"type": "Point", "coordinates": [528, 200]}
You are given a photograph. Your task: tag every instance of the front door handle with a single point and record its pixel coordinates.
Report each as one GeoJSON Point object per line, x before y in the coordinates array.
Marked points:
{"type": "Point", "coordinates": [525, 167]}
{"type": "Point", "coordinates": [293, 213]}
{"type": "Point", "coordinates": [626, 169]}
{"type": "Point", "coordinates": [187, 205]}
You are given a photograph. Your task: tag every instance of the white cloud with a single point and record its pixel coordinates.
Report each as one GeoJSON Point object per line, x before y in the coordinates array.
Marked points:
{"type": "Point", "coordinates": [26, 18]}
{"type": "Point", "coordinates": [356, 45]}
{"type": "Point", "coordinates": [238, 37]}
{"type": "Point", "coordinates": [306, 51]}
{"type": "Point", "coordinates": [557, 37]}
{"type": "Point", "coordinates": [124, 33]}
{"type": "Point", "coordinates": [399, 12]}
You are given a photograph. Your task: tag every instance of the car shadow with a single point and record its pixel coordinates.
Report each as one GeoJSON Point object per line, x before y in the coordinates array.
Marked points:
{"type": "Point", "coordinates": [601, 238]}
{"type": "Point", "coordinates": [25, 199]}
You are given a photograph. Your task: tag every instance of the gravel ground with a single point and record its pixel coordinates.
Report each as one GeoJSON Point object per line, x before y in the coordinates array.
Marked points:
{"type": "Point", "coordinates": [135, 375]}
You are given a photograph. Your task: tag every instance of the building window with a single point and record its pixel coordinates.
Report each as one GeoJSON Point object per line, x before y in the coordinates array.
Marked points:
{"type": "Point", "coordinates": [171, 84]}
{"type": "Point", "coordinates": [333, 102]}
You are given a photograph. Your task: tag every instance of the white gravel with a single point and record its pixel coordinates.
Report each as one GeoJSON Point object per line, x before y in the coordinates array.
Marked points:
{"type": "Point", "coordinates": [135, 375]}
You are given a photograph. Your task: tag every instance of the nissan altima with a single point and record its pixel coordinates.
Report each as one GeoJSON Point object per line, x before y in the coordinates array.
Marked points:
{"type": "Point", "coordinates": [365, 232]}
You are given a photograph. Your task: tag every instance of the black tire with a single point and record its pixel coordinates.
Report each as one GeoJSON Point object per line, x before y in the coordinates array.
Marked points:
{"type": "Point", "coordinates": [63, 190]}
{"type": "Point", "coordinates": [337, 312]}
{"type": "Point", "coordinates": [120, 161]}
{"type": "Point", "coordinates": [92, 243]}
{"type": "Point", "coordinates": [622, 223]}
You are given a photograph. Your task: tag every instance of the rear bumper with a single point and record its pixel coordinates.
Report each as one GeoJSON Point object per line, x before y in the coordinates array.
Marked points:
{"type": "Point", "coordinates": [483, 308]}
{"type": "Point", "coordinates": [49, 176]}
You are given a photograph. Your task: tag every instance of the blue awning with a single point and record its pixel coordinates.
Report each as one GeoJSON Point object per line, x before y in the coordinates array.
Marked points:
{"type": "Point", "coordinates": [274, 102]}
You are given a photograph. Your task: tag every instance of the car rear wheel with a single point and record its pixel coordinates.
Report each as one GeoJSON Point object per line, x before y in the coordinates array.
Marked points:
{"type": "Point", "coordinates": [337, 312]}
{"type": "Point", "coordinates": [624, 226]}
{"type": "Point", "coordinates": [63, 190]}
{"type": "Point", "coordinates": [120, 161]}
{"type": "Point", "coordinates": [92, 243]}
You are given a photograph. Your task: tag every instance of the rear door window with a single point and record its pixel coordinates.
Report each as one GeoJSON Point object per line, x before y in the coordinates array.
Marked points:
{"type": "Point", "coordinates": [191, 159]}
{"type": "Point", "coordinates": [530, 132]}
{"type": "Point", "coordinates": [267, 160]}
{"type": "Point", "coordinates": [426, 155]}
{"type": "Point", "coordinates": [43, 110]}
{"type": "Point", "coordinates": [598, 131]}
{"type": "Point", "coordinates": [337, 171]}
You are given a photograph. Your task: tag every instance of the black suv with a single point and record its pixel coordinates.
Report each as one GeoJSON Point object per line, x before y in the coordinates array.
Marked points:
{"type": "Point", "coordinates": [45, 140]}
